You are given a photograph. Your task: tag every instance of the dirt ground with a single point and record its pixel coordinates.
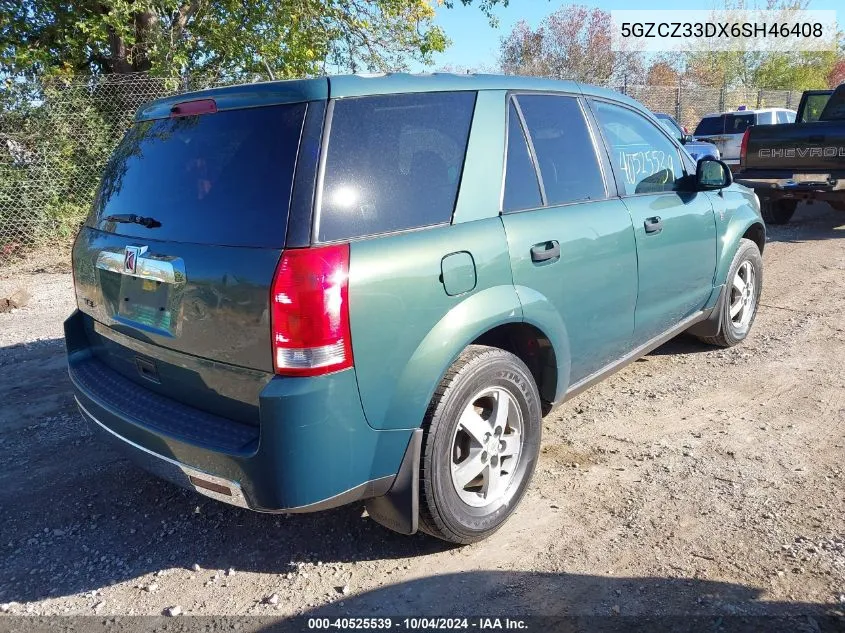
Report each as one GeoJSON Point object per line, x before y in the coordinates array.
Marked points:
{"type": "Point", "coordinates": [696, 481]}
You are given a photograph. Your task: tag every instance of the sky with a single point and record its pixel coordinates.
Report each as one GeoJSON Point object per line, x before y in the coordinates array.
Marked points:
{"type": "Point", "coordinates": [476, 44]}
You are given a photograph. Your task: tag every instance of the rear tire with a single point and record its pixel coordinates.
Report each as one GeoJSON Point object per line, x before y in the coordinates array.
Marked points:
{"type": "Point", "coordinates": [777, 211]}
{"type": "Point", "coordinates": [739, 307]}
{"type": "Point", "coordinates": [480, 445]}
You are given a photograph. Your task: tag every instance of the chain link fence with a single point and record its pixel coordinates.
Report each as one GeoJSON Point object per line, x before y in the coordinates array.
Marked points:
{"type": "Point", "coordinates": [57, 134]}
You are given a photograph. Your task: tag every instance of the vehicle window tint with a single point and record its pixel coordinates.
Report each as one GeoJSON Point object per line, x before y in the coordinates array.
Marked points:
{"type": "Point", "coordinates": [645, 159]}
{"type": "Point", "coordinates": [814, 105]}
{"type": "Point", "coordinates": [790, 116]}
{"type": "Point", "coordinates": [522, 191]}
{"type": "Point", "coordinates": [222, 178]}
{"type": "Point", "coordinates": [394, 162]}
{"type": "Point", "coordinates": [564, 148]}
{"type": "Point", "coordinates": [738, 123]}
{"type": "Point", "coordinates": [710, 125]}
{"type": "Point", "coordinates": [782, 118]}
{"type": "Point", "coordinates": [834, 110]}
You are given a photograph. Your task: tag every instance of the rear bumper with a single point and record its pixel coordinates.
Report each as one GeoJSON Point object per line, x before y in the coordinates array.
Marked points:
{"type": "Point", "coordinates": [783, 185]}
{"type": "Point", "coordinates": [313, 449]}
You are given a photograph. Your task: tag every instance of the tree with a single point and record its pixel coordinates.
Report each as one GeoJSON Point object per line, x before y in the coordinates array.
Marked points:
{"type": "Point", "coordinates": [662, 73]}
{"type": "Point", "coordinates": [227, 37]}
{"type": "Point", "coordinates": [837, 74]}
{"type": "Point", "coordinates": [574, 42]}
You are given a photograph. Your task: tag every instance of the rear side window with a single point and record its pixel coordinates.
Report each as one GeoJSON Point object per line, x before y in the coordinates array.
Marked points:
{"type": "Point", "coordinates": [222, 178]}
{"type": "Point", "coordinates": [565, 152]}
{"type": "Point", "coordinates": [782, 117]}
{"type": "Point", "coordinates": [710, 125]}
{"type": "Point", "coordinates": [814, 106]}
{"type": "Point", "coordinates": [522, 191]}
{"type": "Point", "coordinates": [394, 162]}
{"type": "Point", "coordinates": [643, 157]}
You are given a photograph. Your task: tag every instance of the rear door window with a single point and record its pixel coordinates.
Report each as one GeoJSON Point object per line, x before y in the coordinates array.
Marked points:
{"type": "Point", "coordinates": [522, 190]}
{"type": "Point", "coordinates": [565, 151]}
{"type": "Point", "coordinates": [394, 162]}
{"type": "Point", "coordinates": [782, 118]}
{"type": "Point", "coordinates": [223, 178]}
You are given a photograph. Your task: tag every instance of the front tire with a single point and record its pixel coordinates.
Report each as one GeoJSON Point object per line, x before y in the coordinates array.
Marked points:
{"type": "Point", "coordinates": [742, 296]}
{"type": "Point", "coordinates": [480, 445]}
{"type": "Point", "coordinates": [777, 211]}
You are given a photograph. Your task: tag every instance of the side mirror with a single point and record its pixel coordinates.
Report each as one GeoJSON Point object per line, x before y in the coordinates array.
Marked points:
{"type": "Point", "coordinates": [687, 138]}
{"type": "Point", "coordinates": [712, 174]}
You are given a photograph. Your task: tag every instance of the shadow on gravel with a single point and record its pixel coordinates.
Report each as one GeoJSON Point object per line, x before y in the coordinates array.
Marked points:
{"type": "Point", "coordinates": [513, 594]}
{"type": "Point", "coordinates": [76, 516]}
{"type": "Point", "coordinates": [818, 221]}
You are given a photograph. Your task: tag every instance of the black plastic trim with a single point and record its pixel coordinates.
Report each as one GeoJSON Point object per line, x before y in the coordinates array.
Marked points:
{"type": "Point", "coordinates": [305, 177]}
{"type": "Point", "coordinates": [399, 509]}
{"type": "Point", "coordinates": [636, 353]}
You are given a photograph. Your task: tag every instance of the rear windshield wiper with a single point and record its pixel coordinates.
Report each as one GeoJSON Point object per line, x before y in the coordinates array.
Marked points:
{"type": "Point", "coordinates": [131, 218]}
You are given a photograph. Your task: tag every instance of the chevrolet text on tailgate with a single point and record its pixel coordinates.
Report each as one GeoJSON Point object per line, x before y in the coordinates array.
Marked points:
{"type": "Point", "coordinates": [296, 295]}
{"type": "Point", "coordinates": [805, 160]}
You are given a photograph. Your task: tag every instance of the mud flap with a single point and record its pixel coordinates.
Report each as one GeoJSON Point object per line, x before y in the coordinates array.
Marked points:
{"type": "Point", "coordinates": [712, 325]}
{"type": "Point", "coordinates": [399, 509]}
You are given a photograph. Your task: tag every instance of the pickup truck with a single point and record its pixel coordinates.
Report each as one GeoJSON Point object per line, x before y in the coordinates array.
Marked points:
{"type": "Point", "coordinates": [804, 160]}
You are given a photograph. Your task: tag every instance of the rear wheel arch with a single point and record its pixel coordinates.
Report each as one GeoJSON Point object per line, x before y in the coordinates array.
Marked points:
{"type": "Point", "coordinates": [534, 348]}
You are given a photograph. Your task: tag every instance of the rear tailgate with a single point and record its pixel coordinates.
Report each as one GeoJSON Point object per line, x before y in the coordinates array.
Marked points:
{"type": "Point", "coordinates": [797, 147]}
{"type": "Point", "coordinates": [174, 267]}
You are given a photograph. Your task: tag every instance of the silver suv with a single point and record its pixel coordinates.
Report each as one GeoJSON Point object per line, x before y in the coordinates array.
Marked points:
{"type": "Point", "coordinates": [725, 129]}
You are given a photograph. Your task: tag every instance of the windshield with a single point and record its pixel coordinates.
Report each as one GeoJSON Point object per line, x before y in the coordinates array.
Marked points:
{"type": "Point", "coordinates": [222, 178]}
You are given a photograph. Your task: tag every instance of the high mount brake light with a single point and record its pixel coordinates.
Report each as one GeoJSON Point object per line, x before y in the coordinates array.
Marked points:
{"type": "Point", "coordinates": [191, 108]}
{"type": "Point", "coordinates": [310, 311]}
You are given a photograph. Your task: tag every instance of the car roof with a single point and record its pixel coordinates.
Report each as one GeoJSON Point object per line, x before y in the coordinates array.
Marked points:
{"type": "Point", "coordinates": [341, 86]}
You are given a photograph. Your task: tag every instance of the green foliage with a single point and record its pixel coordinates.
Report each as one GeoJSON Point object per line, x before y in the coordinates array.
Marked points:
{"type": "Point", "coordinates": [224, 37]}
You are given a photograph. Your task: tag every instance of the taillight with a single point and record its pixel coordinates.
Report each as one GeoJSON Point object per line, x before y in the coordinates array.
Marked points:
{"type": "Point", "coordinates": [743, 148]}
{"type": "Point", "coordinates": [310, 311]}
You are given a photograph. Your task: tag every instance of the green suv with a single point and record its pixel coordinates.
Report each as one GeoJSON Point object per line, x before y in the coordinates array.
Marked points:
{"type": "Point", "coordinates": [296, 295]}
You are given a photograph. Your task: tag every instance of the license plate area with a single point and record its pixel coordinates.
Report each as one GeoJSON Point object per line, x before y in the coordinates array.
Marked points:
{"type": "Point", "coordinates": [144, 292]}
{"type": "Point", "coordinates": [147, 302]}
{"type": "Point", "coordinates": [811, 178]}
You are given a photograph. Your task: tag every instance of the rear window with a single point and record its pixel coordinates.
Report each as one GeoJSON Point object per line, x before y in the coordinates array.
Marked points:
{"type": "Point", "coordinates": [835, 108]}
{"type": "Point", "coordinates": [813, 107]}
{"type": "Point", "coordinates": [394, 162]}
{"type": "Point", "coordinates": [222, 178]}
{"type": "Point", "coordinates": [710, 125]}
{"type": "Point", "coordinates": [738, 123]}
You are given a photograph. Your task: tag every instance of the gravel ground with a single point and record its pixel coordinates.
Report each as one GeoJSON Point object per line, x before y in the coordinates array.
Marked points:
{"type": "Point", "coordinates": [696, 481]}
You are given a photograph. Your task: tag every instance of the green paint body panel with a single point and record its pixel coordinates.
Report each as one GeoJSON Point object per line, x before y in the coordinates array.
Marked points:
{"type": "Point", "coordinates": [406, 329]}
{"type": "Point", "coordinates": [675, 266]}
{"type": "Point", "coordinates": [593, 285]}
{"type": "Point", "coordinates": [736, 210]}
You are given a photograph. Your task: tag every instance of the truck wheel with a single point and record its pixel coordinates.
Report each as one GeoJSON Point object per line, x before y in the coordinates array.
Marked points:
{"type": "Point", "coordinates": [777, 211]}
{"type": "Point", "coordinates": [480, 445]}
{"type": "Point", "coordinates": [742, 295]}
